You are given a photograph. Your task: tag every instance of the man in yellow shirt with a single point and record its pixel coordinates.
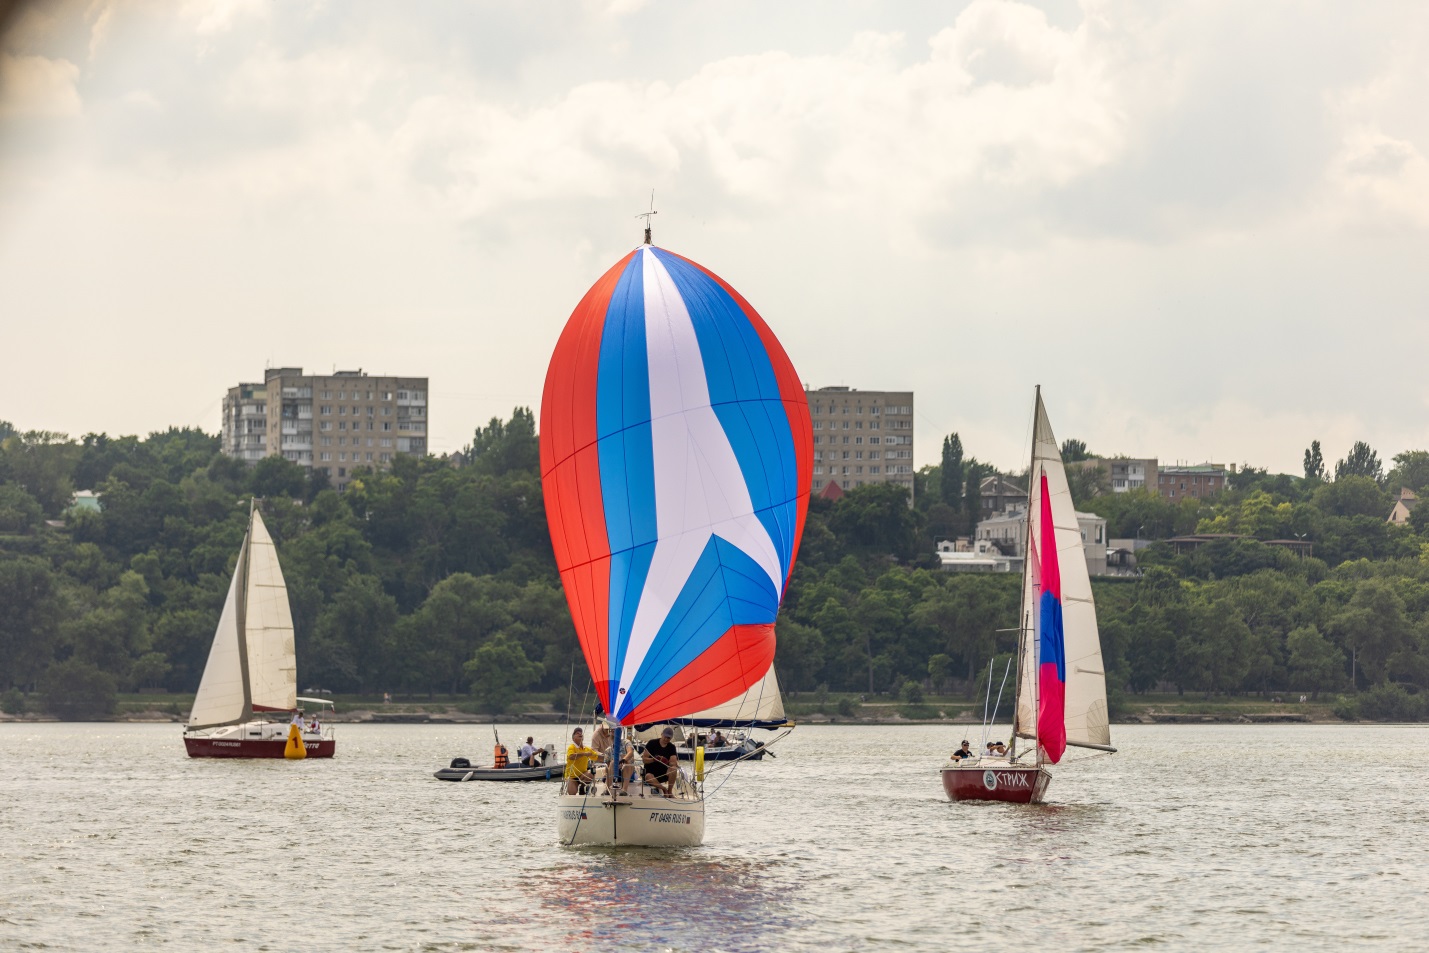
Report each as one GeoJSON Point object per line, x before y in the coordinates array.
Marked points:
{"type": "Point", "coordinates": [578, 759]}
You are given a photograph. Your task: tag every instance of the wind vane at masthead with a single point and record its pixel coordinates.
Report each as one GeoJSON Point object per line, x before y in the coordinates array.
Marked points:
{"type": "Point", "coordinates": [646, 216]}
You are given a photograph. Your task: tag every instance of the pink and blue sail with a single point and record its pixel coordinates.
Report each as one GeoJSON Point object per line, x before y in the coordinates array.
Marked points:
{"type": "Point", "coordinates": [1052, 646]}
{"type": "Point", "coordinates": [676, 463]}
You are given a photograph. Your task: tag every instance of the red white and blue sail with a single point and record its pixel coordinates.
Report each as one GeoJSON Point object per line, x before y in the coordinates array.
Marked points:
{"type": "Point", "coordinates": [1061, 693]}
{"type": "Point", "coordinates": [676, 462]}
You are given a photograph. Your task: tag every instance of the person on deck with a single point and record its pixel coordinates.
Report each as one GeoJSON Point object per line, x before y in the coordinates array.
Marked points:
{"type": "Point", "coordinates": [578, 759]}
{"type": "Point", "coordinates": [999, 749]}
{"type": "Point", "coordinates": [717, 739]}
{"type": "Point", "coordinates": [661, 762]}
{"type": "Point", "coordinates": [964, 752]}
{"type": "Point", "coordinates": [527, 753]}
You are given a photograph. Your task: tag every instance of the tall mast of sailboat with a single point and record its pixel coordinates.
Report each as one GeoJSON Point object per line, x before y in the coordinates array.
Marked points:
{"type": "Point", "coordinates": [241, 610]}
{"type": "Point", "coordinates": [1026, 622]}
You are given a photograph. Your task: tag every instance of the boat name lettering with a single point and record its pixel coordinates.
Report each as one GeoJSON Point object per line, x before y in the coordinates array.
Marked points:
{"type": "Point", "coordinates": [670, 818]}
{"type": "Point", "coordinates": [227, 744]}
{"type": "Point", "coordinates": [573, 815]}
{"type": "Point", "coordinates": [1010, 779]}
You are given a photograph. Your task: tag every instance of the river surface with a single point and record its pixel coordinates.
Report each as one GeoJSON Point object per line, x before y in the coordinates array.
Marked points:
{"type": "Point", "coordinates": [1296, 837]}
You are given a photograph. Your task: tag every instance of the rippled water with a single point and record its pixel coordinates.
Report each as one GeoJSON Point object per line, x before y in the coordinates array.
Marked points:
{"type": "Point", "coordinates": [1193, 838]}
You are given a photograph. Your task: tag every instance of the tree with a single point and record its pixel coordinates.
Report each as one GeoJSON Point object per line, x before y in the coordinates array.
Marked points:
{"type": "Point", "coordinates": [1313, 662]}
{"type": "Point", "coordinates": [1074, 450]}
{"type": "Point", "coordinates": [19, 511]}
{"type": "Point", "coordinates": [499, 670]}
{"type": "Point", "coordinates": [951, 488]}
{"type": "Point", "coordinates": [277, 476]}
{"type": "Point", "coordinates": [500, 448]}
{"type": "Point", "coordinates": [75, 690]}
{"type": "Point", "coordinates": [1361, 462]}
{"type": "Point", "coordinates": [1411, 469]}
{"type": "Point", "coordinates": [972, 495]}
{"type": "Point", "coordinates": [1314, 462]}
{"type": "Point", "coordinates": [1087, 482]}
{"type": "Point", "coordinates": [31, 608]}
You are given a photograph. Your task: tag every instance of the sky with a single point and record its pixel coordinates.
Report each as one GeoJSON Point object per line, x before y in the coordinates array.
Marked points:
{"type": "Point", "coordinates": [1202, 228]}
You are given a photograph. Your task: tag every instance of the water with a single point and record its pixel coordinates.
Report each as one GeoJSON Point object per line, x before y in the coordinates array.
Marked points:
{"type": "Point", "coordinates": [1193, 838]}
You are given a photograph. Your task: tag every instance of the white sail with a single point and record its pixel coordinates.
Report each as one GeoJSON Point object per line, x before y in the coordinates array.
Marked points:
{"type": "Point", "coordinates": [1086, 711]}
{"type": "Point", "coordinates": [762, 703]}
{"type": "Point", "coordinates": [268, 627]}
{"type": "Point", "coordinates": [220, 699]}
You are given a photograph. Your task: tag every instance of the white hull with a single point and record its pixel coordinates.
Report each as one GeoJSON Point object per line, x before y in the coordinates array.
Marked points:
{"type": "Point", "coordinates": [630, 820]}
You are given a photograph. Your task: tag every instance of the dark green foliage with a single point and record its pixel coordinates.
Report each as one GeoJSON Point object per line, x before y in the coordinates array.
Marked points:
{"type": "Point", "coordinates": [1074, 450]}
{"type": "Point", "coordinates": [1360, 462]}
{"type": "Point", "coordinates": [1314, 462]}
{"type": "Point", "coordinates": [427, 578]}
{"type": "Point", "coordinates": [950, 489]}
{"type": "Point", "coordinates": [75, 690]}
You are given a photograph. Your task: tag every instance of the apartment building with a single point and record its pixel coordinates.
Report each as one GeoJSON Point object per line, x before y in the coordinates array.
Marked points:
{"type": "Point", "coordinates": [335, 423]}
{"type": "Point", "coordinates": [861, 437]}
{"type": "Point", "coordinates": [1202, 480]}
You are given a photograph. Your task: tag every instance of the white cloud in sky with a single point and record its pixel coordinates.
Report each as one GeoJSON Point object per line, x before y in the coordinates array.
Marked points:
{"type": "Point", "coordinates": [1198, 225]}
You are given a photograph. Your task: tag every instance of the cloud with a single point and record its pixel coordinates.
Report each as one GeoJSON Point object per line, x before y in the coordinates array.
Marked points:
{"type": "Point", "coordinates": [37, 87]}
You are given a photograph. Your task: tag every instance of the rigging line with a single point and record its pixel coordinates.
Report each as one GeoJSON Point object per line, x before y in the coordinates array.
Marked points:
{"type": "Point", "coordinates": [999, 694]}
{"type": "Point", "coordinates": [731, 764]}
{"type": "Point", "coordinates": [987, 699]}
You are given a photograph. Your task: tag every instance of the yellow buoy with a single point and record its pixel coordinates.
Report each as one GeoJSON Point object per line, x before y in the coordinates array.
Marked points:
{"type": "Point", "coordinates": [295, 747]}
{"type": "Point", "coordinates": [700, 763]}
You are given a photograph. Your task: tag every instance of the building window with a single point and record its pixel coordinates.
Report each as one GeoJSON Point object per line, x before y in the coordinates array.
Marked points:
{"type": "Point", "coordinates": [386, 425]}
{"type": "Point", "coordinates": [873, 440]}
{"type": "Point", "coordinates": [325, 425]}
{"type": "Point", "coordinates": [325, 410]}
{"type": "Point", "coordinates": [858, 440]}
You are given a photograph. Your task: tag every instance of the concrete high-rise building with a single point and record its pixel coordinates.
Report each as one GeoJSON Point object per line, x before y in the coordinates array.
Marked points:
{"type": "Point", "coordinates": [861, 437]}
{"type": "Point", "coordinates": [336, 422]}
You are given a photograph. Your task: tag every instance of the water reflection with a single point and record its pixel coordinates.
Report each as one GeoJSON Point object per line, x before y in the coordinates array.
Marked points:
{"type": "Point", "coordinates": [647, 899]}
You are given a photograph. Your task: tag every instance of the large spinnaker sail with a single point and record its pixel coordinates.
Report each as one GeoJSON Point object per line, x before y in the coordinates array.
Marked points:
{"type": "Point", "coordinates": [221, 699]}
{"type": "Point", "coordinates": [1086, 718]}
{"type": "Point", "coordinates": [268, 627]}
{"type": "Point", "coordinates": [676, 459]}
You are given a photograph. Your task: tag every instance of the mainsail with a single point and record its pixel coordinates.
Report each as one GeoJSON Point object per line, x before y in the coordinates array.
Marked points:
{"type": "Point", "coordinates": [1085, 711]}
{"type": "Point", "coordinates": [676, 459]}
{"type": "Point", "coordinates": [251, 664]}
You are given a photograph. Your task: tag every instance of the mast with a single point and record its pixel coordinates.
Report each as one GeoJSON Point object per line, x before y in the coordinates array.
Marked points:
{"type": "Point", "coordinates": [1026, 621]}
{"type": "Point", "coordinates": [242, 613]}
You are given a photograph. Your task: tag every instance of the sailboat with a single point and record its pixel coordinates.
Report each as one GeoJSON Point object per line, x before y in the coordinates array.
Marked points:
{"type": "Point", "coordinates": [760, 707]}
{"type": "Point", "coordinates": [676, 462]}
{"type": "Point", "coordinates": [252, 670]}
{"type": "Point", "coordinates": [1060, 691]}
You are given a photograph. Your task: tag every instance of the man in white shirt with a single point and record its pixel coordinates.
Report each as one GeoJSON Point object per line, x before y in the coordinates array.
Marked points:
{"type": "Point", "coordinates": [527, 752]}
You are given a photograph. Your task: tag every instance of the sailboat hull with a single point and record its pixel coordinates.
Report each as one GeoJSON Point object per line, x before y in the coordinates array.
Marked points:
{"type": "Point", "coordinates": [996, 781]}
{"type": "Point", "coordinates": [218, 748]}
{"type": "Point", "coordinates": [630, 821]}
{"type": "Point", "coordinates": [258, 739]}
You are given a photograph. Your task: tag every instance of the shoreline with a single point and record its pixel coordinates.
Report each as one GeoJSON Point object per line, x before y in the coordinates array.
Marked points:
{"type": "Point", "coordinates": [445, 717]}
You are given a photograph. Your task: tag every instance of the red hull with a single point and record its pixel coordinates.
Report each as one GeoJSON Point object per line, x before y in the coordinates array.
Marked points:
{"type": "Point", "coordinates": [1016, 784]}
{"type": "Point", "coordinates": [245, 748]}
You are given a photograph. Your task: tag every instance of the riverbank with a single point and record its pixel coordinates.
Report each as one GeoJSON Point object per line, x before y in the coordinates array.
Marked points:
{"type": "Point", "coordinates": [1143, 710]}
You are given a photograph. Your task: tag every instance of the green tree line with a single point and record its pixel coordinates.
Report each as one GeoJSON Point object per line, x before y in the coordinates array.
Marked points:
{"type": "Point", "coordinates": [431, 578]}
